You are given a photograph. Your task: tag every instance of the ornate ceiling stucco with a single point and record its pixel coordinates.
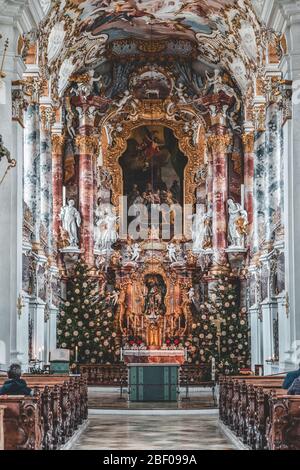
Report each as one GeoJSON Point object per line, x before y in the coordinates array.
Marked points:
{"type": "Point", "coordinates": [78, 34]}
{"type": "Point", "coordinates": [26, 14]}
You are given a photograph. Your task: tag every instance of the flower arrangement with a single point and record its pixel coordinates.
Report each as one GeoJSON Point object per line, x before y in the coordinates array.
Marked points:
{"type": "Point", "coordinates": [173, 343]}
{"type": "Point", "coordinates": [135, 342]}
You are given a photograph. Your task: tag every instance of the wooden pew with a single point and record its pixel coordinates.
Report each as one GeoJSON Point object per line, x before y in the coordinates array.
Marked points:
{"type": "Point", "coordinates": [2, 409]}
{"type": "Point", "coordinates": [283, 424]}
{"type": "Point", "coordinates": [23, 423]}
{"type": "Point", "coordinates": [63, 405]}
{"type": "Point", "coordinates": [250, 407]}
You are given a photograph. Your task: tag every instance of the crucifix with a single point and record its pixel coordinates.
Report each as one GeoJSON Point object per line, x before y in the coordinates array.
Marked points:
{"type": "Point", "coordinates": [20, 306]}
{"type": "Point", "coordinates": [217, 322]}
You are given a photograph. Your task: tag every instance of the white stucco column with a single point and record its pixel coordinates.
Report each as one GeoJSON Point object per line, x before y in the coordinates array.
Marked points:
{"type": "Point", "coordinates": [37, 308]}
{"type": "Point", "coordinates": [15, 18]}
{"type": "Point", "coordinates": [255, 331]}
{"type": "Point", "coordinates": [284, 332]}
{"type": "Point", "coordinates": [283, 16]}
{"type": "Point", "coordinates": [269, 312]}
{"type": "Point", "coordinates": [11, 212]}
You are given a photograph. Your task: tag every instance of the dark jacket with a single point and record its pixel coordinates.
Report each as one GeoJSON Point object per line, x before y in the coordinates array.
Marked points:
{"type": "Point", "coordinates": [295, 388]}
{"type": "Point", "coordinates": [15, 387]}
{"type": "Point", "coordinates": [290, 377]}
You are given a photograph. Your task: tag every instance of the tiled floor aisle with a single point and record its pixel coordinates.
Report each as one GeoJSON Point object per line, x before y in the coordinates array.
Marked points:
{"type": "Point", "coordinates": [158, 432]}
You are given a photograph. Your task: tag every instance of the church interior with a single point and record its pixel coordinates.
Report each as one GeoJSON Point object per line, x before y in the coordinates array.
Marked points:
{"type": "Point", "coordinates": [149, 230]}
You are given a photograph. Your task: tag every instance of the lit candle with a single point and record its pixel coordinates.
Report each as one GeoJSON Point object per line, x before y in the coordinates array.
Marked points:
{"type": "Point", "coordinates": [76, 354]}
{"type": "Point", "coordinates": [243, 196]}
{"type": "Point", "coordinates": [213, 369]}
{"type": "Point", "coordinates": [64, 195]}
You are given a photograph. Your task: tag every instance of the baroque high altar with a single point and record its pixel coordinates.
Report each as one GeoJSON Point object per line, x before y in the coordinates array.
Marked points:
{"type": "Point", "coordinates": [152, 146]}
{"type": "Point", "coordinates": [153, 152]}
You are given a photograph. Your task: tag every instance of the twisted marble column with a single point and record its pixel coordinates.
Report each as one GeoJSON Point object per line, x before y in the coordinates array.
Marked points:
{"type": "Point", "coordinates": [57, 183]}
{"type": "Point", "coordinates": [248, 141]}
{"type": "Point", "coordinates": [274, 183]}
{"type": "Point", "coordinates": [46, 174]}
{"type": "Point", "coordinates": [32, 166]}
{"type": "Point", "coordinates": [218, 145]}
{"type": "Point", "coordinates": [87, 146]}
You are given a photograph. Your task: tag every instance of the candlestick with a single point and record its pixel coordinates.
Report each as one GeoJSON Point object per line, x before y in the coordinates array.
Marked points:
{"type": "Point", "coordinates": [243, 196]}
{"type": "Point", "coordinates": [76, 354]}
{"type": "Point", "coordinates": [213, 369]}
{"type": "Point", "coordinates": [64, 195]}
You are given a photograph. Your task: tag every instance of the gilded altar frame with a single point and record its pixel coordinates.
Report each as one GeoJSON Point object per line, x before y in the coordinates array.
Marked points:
{"type": "Point", "coordinates": [154, 112]}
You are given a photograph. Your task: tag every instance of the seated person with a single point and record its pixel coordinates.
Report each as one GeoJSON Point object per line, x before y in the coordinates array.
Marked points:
{"type": "Point", "coordinates": [15, 385]}
{"type": "Point", "coordinates": [290, 377]}
{"type": "Point", "coordinates": [295, 388]}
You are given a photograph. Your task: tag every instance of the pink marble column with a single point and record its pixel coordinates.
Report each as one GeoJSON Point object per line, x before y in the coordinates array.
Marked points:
{"type": "Point", "coordinates": [57, 183]}
{"type": "Point", "coordinates": [248, 141]}
{"type": "Point", "coordinates": [87, 146]}
{"type": "Point", "coordinates": [218, 145]}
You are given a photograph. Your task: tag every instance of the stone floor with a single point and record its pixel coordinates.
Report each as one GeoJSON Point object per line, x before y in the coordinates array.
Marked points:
{"type": "Point", "coordinates": [125, 430]}
{"type": "Point", "coordinates": [109, 399]}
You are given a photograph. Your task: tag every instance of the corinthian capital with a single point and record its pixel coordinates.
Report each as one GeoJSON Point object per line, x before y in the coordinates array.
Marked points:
{"type": "Point", "coordinates": [87, 144]}
{"type": "Point", "coordinates": [57, 143]}
{"type": "Point", "coordinates": [219, 143]}
{"type": "Point", "coordinates": [47, 117]}
{"type": "Point", "coordinates": [248, 141]}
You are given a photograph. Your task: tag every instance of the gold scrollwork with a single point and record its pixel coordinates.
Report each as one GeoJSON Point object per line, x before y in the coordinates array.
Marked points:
{"type": "Point", "coordinates": [153, 112]}
{"type": "Point", "coordinates": [57, 143]}
{"type": "Point", "coordinates": [87, 144]}
{"type": "Point", "coordinates": [219, 143]}
{"type": "Point", "coordinates": [248, 141]}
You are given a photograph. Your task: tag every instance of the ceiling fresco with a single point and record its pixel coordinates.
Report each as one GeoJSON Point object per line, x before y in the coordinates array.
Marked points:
{"type": "Point", "coordinates": [79, 35]}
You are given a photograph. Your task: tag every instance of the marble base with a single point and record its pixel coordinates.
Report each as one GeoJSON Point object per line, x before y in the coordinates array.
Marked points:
{"type": "Point", "coordinates": [161, 356]}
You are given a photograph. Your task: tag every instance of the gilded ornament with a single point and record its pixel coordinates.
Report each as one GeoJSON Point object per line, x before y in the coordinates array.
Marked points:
{"type": "Point", "coordinates": [87, 144]}
{"type": "Point", "coordinates": [219, 143]}
{"type": "Point", "coordinates": [57, 143]}
{"type": "Point", "coordinates": [248, 141]}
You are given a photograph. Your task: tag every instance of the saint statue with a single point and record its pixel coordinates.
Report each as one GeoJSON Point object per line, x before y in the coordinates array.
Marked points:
{"type": "Point", "coordinates": [238, 221]}
{"type": "Point", "coordinates": [71, 221]}
{"type": "Point", "coordinates": [202, 231]}
{"type": "Point", "coordinates": [172, 252]}
{"type": "Point", "coordinates": [136, 252]}
{"type": "Point", "coordinates": [106, 229]}
{"type": "Point", "coordinates": [154, 297]}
